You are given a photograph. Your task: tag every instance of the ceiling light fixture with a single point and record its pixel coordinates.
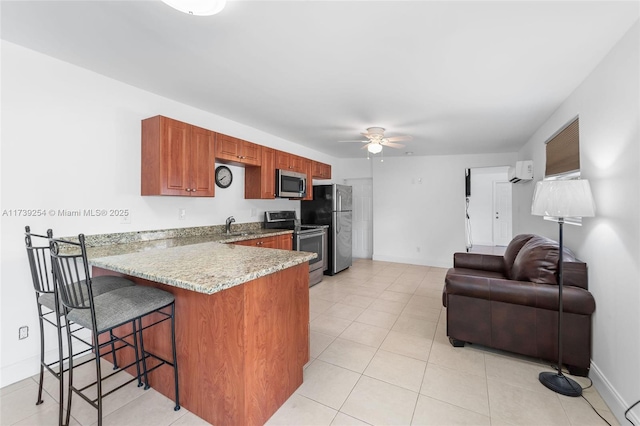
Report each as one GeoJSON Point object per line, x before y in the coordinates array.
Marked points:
{"type": "Point", "coordinates": [197, 7]}
{"type": "Point", "coordinates": [374, 148]}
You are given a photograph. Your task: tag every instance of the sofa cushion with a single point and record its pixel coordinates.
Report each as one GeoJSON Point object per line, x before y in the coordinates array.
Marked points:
{"type": "Point", "coordinates": [479, 262]}
{"type": "Point", "coordinates": [513, 249]}
{"type": "Point", "coordinates": [537, 261]}
{"type": "Point", "coordinates": [575, 300]}
{"type": "Point", "coordinates": [475, 273]}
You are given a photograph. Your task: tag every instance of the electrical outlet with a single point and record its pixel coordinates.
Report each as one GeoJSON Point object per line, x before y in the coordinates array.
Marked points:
{"type": "Point", "coordinates": [23, 332]}
{"type": "Point", "coordinates": [254, 212]}
{"type": "Point", "coordinates": [182, 214]}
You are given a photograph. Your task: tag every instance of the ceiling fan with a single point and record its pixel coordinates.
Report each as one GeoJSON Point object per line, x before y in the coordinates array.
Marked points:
{"type": "Point", "coordinates": [376, 140]}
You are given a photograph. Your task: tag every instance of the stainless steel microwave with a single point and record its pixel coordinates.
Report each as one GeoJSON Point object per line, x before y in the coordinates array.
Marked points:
{"type": "Point", "coordinates": [290, 184]}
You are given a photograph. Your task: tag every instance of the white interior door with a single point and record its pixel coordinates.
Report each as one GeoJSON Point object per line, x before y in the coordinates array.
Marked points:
{"type": "Point", "coordinates": [362, 225]}
{"type": "Point", "coordinates": [502, 210]}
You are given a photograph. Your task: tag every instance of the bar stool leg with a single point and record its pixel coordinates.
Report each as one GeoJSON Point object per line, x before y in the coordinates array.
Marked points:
{"type": "Point", "coordinates": [144, 357]}
{"type": "Point", "coordinates": [175, 357]}
{"type": "Point", "coordinates": [96, 345]}
{"type": "Point", "coordinates": [113, 350]}
{"type": "Point", "coordinates": [60, 370]}
{"type": "Point", "coordinates": [39, 400]}
{"type": "Point", "coordinates": [70, 384]}
{"type": "Point", "coordinates": [135, 350]}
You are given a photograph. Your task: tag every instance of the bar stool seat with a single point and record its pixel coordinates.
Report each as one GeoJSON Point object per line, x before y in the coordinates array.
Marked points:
{"type": "Point", "coordinates": [120, 306]}
{"type": "Point", "coordinates": [102, 284]}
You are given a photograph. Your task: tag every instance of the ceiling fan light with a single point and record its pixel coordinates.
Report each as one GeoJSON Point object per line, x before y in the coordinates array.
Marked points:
{"type": "Point", "coordinates": [197, 7]}
{"type": "Point", "coordinates": [374, 148]}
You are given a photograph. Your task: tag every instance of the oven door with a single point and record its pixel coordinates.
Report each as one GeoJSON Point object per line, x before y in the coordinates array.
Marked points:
{"type": "Point", "coordinates": [312, 242]}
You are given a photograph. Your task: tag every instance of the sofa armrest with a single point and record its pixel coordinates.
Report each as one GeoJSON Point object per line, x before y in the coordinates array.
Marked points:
{"type": "Point", "coordinates": [484, 262]}
{"type": "Point", "coordinates": [544, 296]}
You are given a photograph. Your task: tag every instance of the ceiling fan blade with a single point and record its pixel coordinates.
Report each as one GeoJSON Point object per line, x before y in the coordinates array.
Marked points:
{"type": "Point", "coordinates": [393, 145]}
{"type": "Point", "coordinates": [354, 141]}
{"type": "Point", "coordinates": [365, 146]}
{"type": "Point", "coordinates": [399, 138]}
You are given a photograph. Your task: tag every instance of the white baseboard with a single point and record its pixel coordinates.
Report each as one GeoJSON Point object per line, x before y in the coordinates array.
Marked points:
{"type": "Point", "coordinates": [29, 367]}
{"type": "Point", "coordinates": [21, 370]}
{"type": "Point", "coordinates": [440, 263]}
{"type": "Point", "coordinates": [616, 403]}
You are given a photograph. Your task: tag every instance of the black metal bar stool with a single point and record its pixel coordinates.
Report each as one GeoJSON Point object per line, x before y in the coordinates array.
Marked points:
{"type": "Point", "coordinates": [106, 312]}
{"type": "Point", "coordinates": [50, 309]}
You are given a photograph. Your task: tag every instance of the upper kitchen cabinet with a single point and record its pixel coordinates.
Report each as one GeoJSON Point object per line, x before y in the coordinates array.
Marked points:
{"type": "Point", "coordinates": [308, 166]}
{"type": "Point", "coordinates": [287, 161]}
{"type": "Point", "coordinates": [321, 170]}
{"type": "Point", "coordinates": [238, 151]}
{"type": "Point", "coordinates": [177, 158]}
{"type": "Point", "coordinates": [260, 182]}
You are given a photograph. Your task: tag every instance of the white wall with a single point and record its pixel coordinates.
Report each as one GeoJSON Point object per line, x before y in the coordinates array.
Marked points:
{"type": "Point", "coordinates": [608, 105]}
{"type": "Point", "coordinates": [419, 204]}
{"type": "Point", "coordinates": [71, 140]}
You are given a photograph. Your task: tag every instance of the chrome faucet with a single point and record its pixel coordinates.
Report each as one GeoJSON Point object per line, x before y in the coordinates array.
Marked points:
{"type": "Point", "coordinates": [228, 223]}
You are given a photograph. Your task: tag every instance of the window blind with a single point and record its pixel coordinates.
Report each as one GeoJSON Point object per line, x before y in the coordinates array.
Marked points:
{"type": "Point", "coordinates": [563, 150]}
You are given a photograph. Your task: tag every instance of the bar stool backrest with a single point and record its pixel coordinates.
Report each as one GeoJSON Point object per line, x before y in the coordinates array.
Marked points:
{"type": "Point", "coordinates": [40, 262]}
{"type": "Point", "coordinates": [71, 273]}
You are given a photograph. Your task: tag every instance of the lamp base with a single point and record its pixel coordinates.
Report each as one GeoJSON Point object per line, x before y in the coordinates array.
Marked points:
{"type": "Point", "coordinates": [561, 384]}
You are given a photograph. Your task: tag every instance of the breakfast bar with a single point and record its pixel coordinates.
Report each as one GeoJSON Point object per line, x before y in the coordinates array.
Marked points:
{"type": "Point", "coordinates": [242, 318]}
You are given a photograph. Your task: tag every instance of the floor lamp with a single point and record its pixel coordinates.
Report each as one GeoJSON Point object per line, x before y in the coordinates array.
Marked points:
{"type": "Point", "coordinates": [562, 199]}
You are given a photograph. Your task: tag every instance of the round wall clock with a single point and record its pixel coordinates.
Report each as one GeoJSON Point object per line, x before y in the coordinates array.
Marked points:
{"type": "Point", "coordinates": [224, 177]}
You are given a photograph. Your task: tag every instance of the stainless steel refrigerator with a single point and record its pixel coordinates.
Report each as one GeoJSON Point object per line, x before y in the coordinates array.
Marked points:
{"type": "Point", "coordinates": [331, 205]}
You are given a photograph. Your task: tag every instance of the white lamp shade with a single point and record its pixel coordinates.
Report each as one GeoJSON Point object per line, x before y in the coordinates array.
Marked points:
{"type": "Point", "coordinates": [563, 198]}
{"type": "Point", "coordinates": [197, 7]}
{"type": "Point", "coordinates": [374, 148]}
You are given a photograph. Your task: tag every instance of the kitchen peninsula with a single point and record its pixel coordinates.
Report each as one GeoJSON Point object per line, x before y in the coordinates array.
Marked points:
{"type": "Point", "coordinates": [242, 318]}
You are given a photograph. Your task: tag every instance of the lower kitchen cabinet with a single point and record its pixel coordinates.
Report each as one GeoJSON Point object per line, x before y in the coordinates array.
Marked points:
{"type": "Point", "coordinates": [282, 242]}
{"type": "Point", "coordinates": [285, 242]}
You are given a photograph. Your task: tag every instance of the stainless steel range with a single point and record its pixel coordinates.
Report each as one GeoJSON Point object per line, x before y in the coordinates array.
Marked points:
{"type": "Point", "coordinates": [311, 238]}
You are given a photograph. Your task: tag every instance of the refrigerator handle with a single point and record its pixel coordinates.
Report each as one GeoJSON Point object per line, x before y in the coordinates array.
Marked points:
{"type": "Point", "coordinates": [339, 206]}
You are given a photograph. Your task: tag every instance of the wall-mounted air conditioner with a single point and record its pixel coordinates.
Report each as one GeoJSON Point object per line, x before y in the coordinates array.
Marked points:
{"type": "Point", "coordinates": [523, 171]}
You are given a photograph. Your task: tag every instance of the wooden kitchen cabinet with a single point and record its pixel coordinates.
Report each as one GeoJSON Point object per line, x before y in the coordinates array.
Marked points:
{"type": "Point", "coordinates": [260, 182]}
{"type": "Point", "coordinates": [308, 166]}
{"type": "Point", "coordinates": [238, 151]}
{"type": "Point", "coordinates": [282, 242]}
{"type": "Point", "coordinates": [177, 158]}
{"type": "Point", "coordinates": [287, 161]}
{"type": "Point", "coordinates": [285, 242]}
{"type": "Point", "coordinates": [321, 170]}
{"type": "Point", "coordinates": [266, 242]}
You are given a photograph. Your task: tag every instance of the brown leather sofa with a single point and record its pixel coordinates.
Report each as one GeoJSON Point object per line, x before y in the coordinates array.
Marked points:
{"type": "Point", "coordinates": [510, 302]}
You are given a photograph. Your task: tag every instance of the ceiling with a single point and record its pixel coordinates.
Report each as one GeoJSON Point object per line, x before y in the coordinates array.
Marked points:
{"type": "Point", "coordinates": [460, 77]}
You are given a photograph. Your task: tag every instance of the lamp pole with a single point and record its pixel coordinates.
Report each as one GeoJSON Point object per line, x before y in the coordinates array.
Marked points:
{"type": "Point", "coordinates": [558, 382]}
{"type": "Point", "coordinates": [562, 199]}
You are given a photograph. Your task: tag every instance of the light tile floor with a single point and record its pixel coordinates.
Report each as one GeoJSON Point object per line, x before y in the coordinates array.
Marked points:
{"type": "Point", "coordinates": [379, 355]}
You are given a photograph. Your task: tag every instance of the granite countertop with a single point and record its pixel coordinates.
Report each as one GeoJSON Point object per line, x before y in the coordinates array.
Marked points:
{"type": "Point", "coordinates": [117, 248]}
{"type": "Point", "coordinates": [201, 263]}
